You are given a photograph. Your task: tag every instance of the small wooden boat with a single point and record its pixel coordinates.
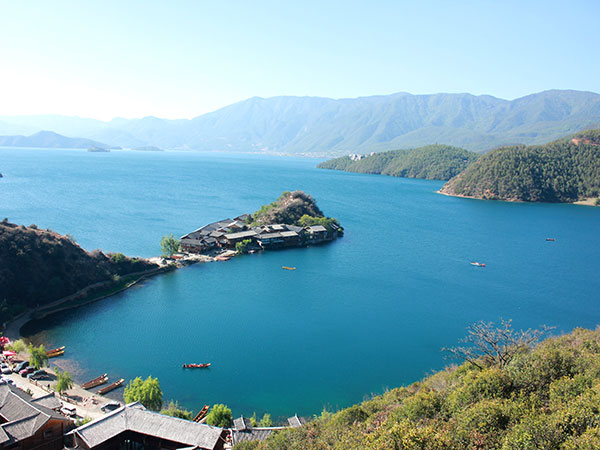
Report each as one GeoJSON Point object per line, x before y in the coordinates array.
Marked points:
{"type": "Point", "coordinates": [111, 387]}
{"type": "Point", "coordinates": [550, 239]}
{"type": "Point", "coordinates": [288, 268]}
{"type": "Point", "coordinates": [196, 366]}
{"type": "Point", "coordinates": [55, 354]}
{"type": "Point", "coordinates": [56, 350]}
{"type": "Point", "coordinates": [202, 414]}
{"type": "Point", "coordinates": [222, 258]}
{"type": "Point", "coordinates": [477, 264]}
{"type": "Point", "coordinates": [95, 382]}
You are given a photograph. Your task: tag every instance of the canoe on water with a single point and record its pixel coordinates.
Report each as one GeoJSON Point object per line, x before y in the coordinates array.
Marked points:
{"type": "Point", "coordinates": [95, 382]}
{"type": "Point", "coordinates": [55, 350]}
{"type": "Point", "coordinates": [111, 387]}
{"type": "Point", "coordinates": [196, 366]}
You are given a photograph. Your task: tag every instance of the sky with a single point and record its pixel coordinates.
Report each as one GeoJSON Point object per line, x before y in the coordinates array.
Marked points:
{"type": "Point", "coordinates": [180, 59]}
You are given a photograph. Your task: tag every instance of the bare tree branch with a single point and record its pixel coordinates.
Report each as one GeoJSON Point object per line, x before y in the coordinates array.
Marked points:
{"type": "Point", "coordinates": [489, 345]}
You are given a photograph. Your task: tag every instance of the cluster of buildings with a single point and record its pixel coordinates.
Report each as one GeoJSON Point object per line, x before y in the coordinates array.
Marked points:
{"type": "Point", "coordinates": [27, 423]}
{"type": "Point", "coordinates": [357, 157]}
{"type": "Point", "coordinates": [226, 233]}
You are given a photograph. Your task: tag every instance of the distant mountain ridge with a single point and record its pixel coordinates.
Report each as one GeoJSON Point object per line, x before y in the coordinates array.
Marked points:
{"type": "Point", "coordinates": [49, 139]}
{"type": "Point", "coordinates": [315, 126]}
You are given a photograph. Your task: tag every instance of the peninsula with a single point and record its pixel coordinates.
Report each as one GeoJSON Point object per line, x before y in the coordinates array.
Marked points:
{"type": "Point", "coordinates": [41, 269]}
{"type": "Point", "coordinates": [565, 170]}
{"type": "Point", "coordinates": [293, 220]}
{"type": "Point", "coordinates": [433, 162]}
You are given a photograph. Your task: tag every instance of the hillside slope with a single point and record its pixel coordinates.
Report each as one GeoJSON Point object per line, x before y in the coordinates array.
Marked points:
{"type": "Point", "coordinates": [566, 170]}
{"type": "Point", "coordinates": [546, 398]}
{"type": "Point", "coordinates": [434, 162]}
{"type": "Point", "coordinates": [49, 139]}
{"type": "Point", "coordinates": [315, 126]}
{"type": "Point", "coordinates": [40, 266]}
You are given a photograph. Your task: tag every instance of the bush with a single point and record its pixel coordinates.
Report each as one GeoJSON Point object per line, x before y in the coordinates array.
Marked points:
{"type": "Point", "coordinates": [220, 416]}
{"type": "Point", "coordinates": [174, 410]}
{"type": "Point", "coordinates": [147, 392]}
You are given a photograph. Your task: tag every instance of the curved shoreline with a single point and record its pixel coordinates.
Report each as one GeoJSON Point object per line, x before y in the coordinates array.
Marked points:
{"type": "Point", "coordinates": [585, 202]}
{"type": "Point", "coordinates": [12, 327]}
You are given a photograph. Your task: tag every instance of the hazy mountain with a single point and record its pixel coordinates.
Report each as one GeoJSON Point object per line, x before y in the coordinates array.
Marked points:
{"type": "Point", "coordinates": [48, 139]}
{"type": "Point", "coordinates": [323, 126]}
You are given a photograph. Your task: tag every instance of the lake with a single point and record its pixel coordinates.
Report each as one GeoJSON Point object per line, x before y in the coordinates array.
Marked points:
{"type": "Point", "coordinates": [368, 312]}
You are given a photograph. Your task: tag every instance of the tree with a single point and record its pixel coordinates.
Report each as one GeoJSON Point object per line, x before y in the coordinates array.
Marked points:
{"type": "Point", "coordinates": [169, 245]}
{"type": "Point", "coordinates": [37, 356]}
{"type": "Point", "coordinates": [266, 421]}
{"type": "Point", "coordinates": [491, 346]}
{"type": "Point", "coordinates": [220, 416]}
{"type": "Point", "coordinates": [174, 410]}
{"type": "Point", "coordinates": [242, 247]}
{"type": "Point", "coordinates": [64, 381]}
{"type": "Point", "coordinates": [17, 346]}
{"type": "Point", "coordinates": [147, 392]}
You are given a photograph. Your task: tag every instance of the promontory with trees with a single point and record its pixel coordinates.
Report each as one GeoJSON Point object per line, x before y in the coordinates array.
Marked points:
{"type": "Point", "coordinates": [39, 266]}
{"type": "Point", "coordinates": [565, 170]}
{"type": "Point", "coordinates": [433, 162]}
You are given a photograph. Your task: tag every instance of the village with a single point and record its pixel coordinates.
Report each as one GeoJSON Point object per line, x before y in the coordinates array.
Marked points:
{"type": "Point", "coordinates": [34, 416]}
{"type": "Point", "coordinates": [228, 236]}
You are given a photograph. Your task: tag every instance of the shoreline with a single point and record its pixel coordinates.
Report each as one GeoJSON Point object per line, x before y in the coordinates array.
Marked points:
{"type": "Point", "coordinates": [12, 327]}
{"type": "Point", "coordinates": [585, 202]}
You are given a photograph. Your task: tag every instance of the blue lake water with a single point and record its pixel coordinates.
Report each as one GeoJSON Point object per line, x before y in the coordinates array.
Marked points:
{"type": "Point", "coordinates": [368, 312]}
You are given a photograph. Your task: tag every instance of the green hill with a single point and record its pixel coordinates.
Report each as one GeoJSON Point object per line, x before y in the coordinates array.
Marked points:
{"type": "Point", "coordinates": [49, 139]}
{"type": "Point", "coordinates": [566, 170]}
{"type": "Point", "coordinates": [434, 162]}
{"type": "Point", "coordinates": [39, 266]}
{"type": "Point", "coordinates": [543, 398]}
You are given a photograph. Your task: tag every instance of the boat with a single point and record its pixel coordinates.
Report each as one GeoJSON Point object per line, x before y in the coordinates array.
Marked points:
{"type": "Point", "coordinates": [288, 268]}
{"type": "Point", "coordinates": [550, 239]}
{"type": "Point", "coordinates": [222, 258]}
{"type": "Point", "coordinates": [55, 354]}
{"type": "Point", "coordinates": [196, 366]}
{"type": "Point", "coordinates": [477, 264]}
{"type": "Point", "coordinates": [56, 350]}
{"type": "Point", "coordinates": [95, 382]}
{"type": "Point", "coordinates": [111, 387]}
{"type": "Point", "coordinates": [202, 414]}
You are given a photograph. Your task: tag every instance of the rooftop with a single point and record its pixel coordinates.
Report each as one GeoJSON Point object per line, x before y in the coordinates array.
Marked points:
{"type": "Point", "coordinates": [136, 418]}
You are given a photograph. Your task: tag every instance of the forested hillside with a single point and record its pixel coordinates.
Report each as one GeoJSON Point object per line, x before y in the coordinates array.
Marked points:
{"type": "Point", "coordinates": [39, 266]}
{"type": "Point", "coordinates": [566, 170]}
{"type": "Point", "coordinates": [546, 398]}
{"type": "Point", "coordinates": [434, 162]}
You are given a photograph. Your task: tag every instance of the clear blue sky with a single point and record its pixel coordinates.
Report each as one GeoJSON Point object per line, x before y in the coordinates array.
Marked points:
{"type": "Point", "coordinates": [182, 58]}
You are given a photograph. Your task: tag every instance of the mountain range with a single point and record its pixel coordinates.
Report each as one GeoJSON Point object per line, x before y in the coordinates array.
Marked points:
{"type": "Point", "coordinates": [49, 139]}
{"type": "Point", "coordinates": [315, 126]}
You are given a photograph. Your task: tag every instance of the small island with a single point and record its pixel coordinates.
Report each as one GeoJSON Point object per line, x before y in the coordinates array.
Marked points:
{"type": "Point", "coordinates": [148, 148]}
{"type": "Point", "coordinates": [96, 149]}
{"type": "Point", "coordinates": [293, 220]}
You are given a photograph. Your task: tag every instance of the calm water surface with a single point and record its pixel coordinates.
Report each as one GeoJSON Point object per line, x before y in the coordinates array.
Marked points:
{"type": "Point", "coordinates": [368, 312]}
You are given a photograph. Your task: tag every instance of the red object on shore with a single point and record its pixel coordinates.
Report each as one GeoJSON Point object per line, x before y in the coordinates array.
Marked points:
{"type": "Point", "coordinates": [8, 353]}
{"type": "Point", "coordinates": [196, 366]}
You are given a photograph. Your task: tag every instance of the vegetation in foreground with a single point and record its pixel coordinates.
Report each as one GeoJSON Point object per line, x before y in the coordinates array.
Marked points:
{"type": "Point", "coordinates": [565, 170]}
{"type": "Point", "coordinates": [293, 208]}
{"type": "Point", "coordinates": [41, 266]}
{"type": "Point", "coordinates": [433, 162]}
{"type": "Point", "coordinates": [546, 397]}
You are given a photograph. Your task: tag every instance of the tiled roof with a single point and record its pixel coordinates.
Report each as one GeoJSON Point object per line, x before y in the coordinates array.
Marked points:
{"type": "Point", "coordinates": [134, 417]}
{"type": "Point", "coordinates": [23, 415]}
{"type": "Point", "coordinates": [255, 434]}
